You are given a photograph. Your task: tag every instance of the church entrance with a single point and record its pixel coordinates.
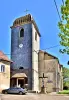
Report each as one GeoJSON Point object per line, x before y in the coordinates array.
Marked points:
{"type": "Point", "coordinates": [19, 80]}
{"type": "Point", "coordinates": [21, 83]}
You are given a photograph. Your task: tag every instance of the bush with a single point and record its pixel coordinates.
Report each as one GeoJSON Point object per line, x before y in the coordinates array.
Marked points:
{"type": "Point", "coordinates": [64, 92]}
{"type": "Point", "coordinates": [65, 88]}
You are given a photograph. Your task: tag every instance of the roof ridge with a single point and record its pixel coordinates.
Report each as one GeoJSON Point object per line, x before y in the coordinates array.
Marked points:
{"type": "Point", "coordinates": [48, 53]}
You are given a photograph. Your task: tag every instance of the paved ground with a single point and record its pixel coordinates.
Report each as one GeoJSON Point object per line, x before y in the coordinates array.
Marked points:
{"type": "Point", "coordinates": [33, 97]}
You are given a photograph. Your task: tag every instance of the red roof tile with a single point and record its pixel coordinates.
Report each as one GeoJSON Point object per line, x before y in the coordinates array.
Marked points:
{"type": "Point", "coordinates": [4, 57]}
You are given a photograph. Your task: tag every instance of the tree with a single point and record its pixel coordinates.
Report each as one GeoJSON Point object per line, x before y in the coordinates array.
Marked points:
{"type": "Point", "coordinates": [65, 78]}
{"type": "Point", "coordinates": [65, 72]}
{"type": "Point", "coordinates": [64, 28]}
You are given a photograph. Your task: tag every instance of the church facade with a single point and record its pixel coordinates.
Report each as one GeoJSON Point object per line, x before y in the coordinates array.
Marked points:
{"type": "Point", "coordinates": [26, 68]}
{"type": "Point", "coordinates": [51, 70]}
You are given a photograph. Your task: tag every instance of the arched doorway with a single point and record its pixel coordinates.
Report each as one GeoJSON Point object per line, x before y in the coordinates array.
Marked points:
{"type": "Point", "coordinates": [19, 80]}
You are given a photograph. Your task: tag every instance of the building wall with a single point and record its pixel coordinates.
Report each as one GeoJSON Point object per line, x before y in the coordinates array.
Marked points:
{"type": "Point", "coordinates": [26, 57]}
{"type": "Point", "coordinates": [21, 56]}
{"type": "Point", "coordinates": [35, 49]}
{"type": "Point", "coordinates": [47, 56]}
{"type": "Point", "coordinates": [60, 78]}
{"type": "Point", "coordinates": [49, 66]}
{"type": "Point", "coordinates": [26, 71]}
{"type": "Point", "coordinates": [5, 76]}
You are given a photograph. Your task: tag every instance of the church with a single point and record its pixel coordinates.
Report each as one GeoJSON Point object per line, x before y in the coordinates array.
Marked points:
{"type": "Point", "coordinates": [31, 66]}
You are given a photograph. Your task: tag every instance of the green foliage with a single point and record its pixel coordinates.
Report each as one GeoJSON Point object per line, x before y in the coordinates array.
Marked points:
{"type": "Point", "coordinates": [66, 84]}
{"type": "Point", "coordinates": [64, 27]}
{"type": "Point", "coordinates": [64, 92]}
{"type": "Point", "coordinates": [65, 75]}
{"type": "Point", "coordinates": [65, 72]}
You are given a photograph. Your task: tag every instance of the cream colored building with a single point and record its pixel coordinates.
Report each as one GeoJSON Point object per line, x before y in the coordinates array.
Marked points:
{"type": "Point", "coordinates": [4, 71]}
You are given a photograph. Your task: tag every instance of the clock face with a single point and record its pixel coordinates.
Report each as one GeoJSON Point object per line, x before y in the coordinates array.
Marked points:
{"type": "Point", "coordinates": [20, 45]}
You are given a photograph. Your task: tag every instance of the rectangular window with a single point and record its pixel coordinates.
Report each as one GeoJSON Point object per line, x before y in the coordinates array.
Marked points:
{"type": "Point", "coordinates": [2, 68]}
{"type": "Point", "coordinates": [36, 36]}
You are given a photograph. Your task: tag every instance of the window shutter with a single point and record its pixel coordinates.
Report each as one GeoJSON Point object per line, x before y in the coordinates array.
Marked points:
{"type": "Point", "coordinates": [2, 68]}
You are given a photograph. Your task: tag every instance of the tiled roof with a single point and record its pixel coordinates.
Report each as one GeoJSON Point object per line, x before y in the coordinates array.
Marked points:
{"type": "Point", "coordinates": [19, 75]}
{"type": "Point", "coordinates": [4, 57]}
{"type": "Point", "coordinates": [47, 53]}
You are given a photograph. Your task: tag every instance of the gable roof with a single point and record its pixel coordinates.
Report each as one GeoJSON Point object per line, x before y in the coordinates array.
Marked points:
{"type": "Point", "coordinates": [4, 57]}
{"type": "Point", "coordinates": [48, 53]}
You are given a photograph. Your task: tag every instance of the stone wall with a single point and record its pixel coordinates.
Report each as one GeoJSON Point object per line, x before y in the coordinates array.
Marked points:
{"type": "Point", "coordinates": [35, 49]}
{"type": "Point", "coordinates": [60, 77]}
{"type": "Point", "coordinates": [49, 65]}
{"type": "Point", "coordinates": [26, 56]}
{"type": "Point", "coordinates": [21, 56]}
{"type": "Point", "coordinates": [28, 74]}
{"type": "Point", "coordinates": [5, 76]}
{"type": "Point", "coordinates": [49, 70]}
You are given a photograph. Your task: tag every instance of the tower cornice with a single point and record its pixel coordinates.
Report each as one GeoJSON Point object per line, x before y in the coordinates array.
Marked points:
{"type": "Point", "coordinates": [25, 20]}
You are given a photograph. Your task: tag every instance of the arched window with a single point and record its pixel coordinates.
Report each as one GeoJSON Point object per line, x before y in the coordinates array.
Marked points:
{"type": "Point", "coordinates": [22, 32]}
{"type": "Point", "coordinates": [35, 36]}
{"type": "Point", "coordinates": [21, 68]}
{"type": "Point", "coordinates": [19, 21]}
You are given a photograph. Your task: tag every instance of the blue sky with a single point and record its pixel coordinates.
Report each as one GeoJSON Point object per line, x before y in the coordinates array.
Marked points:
{"type": "Point", "coordinates": [46, 17]}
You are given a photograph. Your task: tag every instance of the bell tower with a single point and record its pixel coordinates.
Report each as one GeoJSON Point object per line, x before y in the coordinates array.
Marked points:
{"type": "Point", "coordinates": [25, 40]}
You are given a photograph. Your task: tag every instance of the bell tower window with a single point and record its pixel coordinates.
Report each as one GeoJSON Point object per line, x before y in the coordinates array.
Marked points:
{"type": "Point", "coordinates": [21, 68]}
{"type": "Point", "coordinates": [21, 33]}
{"type": "Point", "coordinates": [36, 36]}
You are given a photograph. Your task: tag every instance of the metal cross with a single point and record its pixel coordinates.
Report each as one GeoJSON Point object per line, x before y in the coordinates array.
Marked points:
{"type": "Point", "coordinates": [26, 11]}
{"type": "Point", "coordinates": [43, 79]}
